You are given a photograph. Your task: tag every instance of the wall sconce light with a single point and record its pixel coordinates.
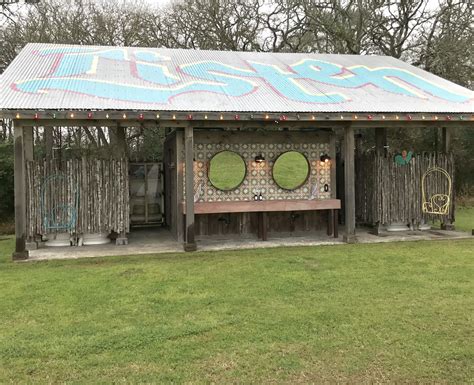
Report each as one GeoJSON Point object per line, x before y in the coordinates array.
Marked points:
{"type": "Point", "coordinates": [259, 158]}
{"type": "Point", "coordinates": [325, 159]}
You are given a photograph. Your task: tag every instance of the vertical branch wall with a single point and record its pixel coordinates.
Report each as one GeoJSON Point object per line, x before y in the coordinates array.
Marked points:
{"type": "Point", "coordinates": [387, 192]}
{"type": "Point", "coordinates": [90, 194]}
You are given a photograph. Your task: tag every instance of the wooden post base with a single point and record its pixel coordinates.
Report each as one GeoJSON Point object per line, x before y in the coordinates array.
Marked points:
{"type": "Point", "coordinates": [352, 238]}
{"type": "Point", "coordinates": [31, 245]}
{"type": "Point", "coordinates": [190, 247]}
{"type": "Point", "coordinates": [448, 226]}
{"type": "Point", "coordinates": [121, 241]}
{"type": "Point", "coordinates": [20, 255]}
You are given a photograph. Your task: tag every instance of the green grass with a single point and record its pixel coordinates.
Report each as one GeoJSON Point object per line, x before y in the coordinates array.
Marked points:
{"type": "Point", "coordinates": [399, 312]}
{"type": "Point", "coordinates": [464, 218]}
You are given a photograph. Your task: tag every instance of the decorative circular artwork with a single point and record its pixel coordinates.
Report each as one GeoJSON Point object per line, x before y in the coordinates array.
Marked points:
{"type": "Point", "coordinates": [291, 170]}
{"type": "Point", "coordinates": [227, 170]}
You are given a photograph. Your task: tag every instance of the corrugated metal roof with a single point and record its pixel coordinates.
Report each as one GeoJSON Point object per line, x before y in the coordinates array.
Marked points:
{"type": "Point", "coordinates": [47, 76]}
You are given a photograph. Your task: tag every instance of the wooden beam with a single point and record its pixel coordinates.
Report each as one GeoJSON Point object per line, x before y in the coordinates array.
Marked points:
{"type": "Point", "coordinates": [349, 185]}
{"type": "Point", "coordinates": [190, 243]}
{"type": "Point", "coordinates": [20, 194]}
{"type": "Point", "coordinates": [263, 123]}
{"type": "Point", "coordinates": [229, 116]}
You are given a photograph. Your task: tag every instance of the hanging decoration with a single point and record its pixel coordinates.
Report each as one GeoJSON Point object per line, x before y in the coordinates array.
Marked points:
{"type": "Point", "coordinates": [404, 157]}
{"type": "Point", "coordinates": [437, 203]}
{"type": "Point", "coordinates": [59, 214]}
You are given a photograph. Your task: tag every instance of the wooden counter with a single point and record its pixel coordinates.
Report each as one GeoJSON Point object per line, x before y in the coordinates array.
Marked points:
{"type": "Point", "coordinates": [262, 207]}
{"type": "Point", "coordinates": [265, 206]}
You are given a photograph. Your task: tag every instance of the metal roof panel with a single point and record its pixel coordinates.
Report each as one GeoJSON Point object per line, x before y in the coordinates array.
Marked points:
{"type": "Point", "coordinates": [49, 76]}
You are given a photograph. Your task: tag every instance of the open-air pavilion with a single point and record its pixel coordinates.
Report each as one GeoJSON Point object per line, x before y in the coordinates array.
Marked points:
{"type": "Point", "coordinates": [233, 121]}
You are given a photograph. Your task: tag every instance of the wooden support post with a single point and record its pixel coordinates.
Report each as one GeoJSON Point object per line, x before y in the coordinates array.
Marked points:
{"type": "Point", "coordinates": [190, 243]}
{"type": "Point", "coordinates": [48, 141]}
{"type": "Point", "coordinates": [381, 149]}
{"type": "Point", "coordinates": [28, 150]}
{"type": "Point", "coordinates": [20, 194]}
{"type": "Point", "coordinates": [179, 185]}
{"type": "Point", "coordinates": [381, 141]}
{"type": "Point", "coordinates": [119, 149]}
{"type": "Point", "coordinates": [330, 228]}
{"type": "Point", "coordinates": [446, 135]}
{"type": "Point", "coordinates": [349, 185]}
{"type": "Point", "coordinates": [264, 226]}
{"type": "Point", "coordinates": [446, 148]}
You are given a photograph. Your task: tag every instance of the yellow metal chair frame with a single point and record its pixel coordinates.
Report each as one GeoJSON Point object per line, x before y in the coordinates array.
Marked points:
{"type": "Point", "coordinates": [437, 204]}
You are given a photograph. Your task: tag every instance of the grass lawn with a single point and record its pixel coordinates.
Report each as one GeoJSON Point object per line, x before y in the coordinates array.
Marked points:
{"type": "Point", "coordinates": [464, 218]}
{"type": "Point", "coordinates": [352, 313]}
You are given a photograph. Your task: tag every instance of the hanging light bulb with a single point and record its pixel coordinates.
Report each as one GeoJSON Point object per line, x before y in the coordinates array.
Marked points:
{"type": "Point", "coordinates": [205, 117]}
{"type": "Point", "coordinates": [221, 117]}
{"type": "Point", "coordinates": [141, 116]}
{"type": "Point", "coordinates": [90, 115]}
{"type": "Point", "coordinates": [237, 117]}
{"type": "Point", "coordinates": [106, 116]}
{"type": "Point", "coordinates": [157, 116]}
{"type": "Point", "coordinates": [174, 117]}
{"type": "Point", "coordinates": [267, 116]}
{"type": "Point", "coordinates": [124, 116]}
{"type": "Point", "coordinates": [17, 115]}
{"type": "Point", "coordinates": [36, 116]}
{"type": "Point", "coordinates": [383, 117]}
{"type": "Point", "coordinates": [313, 117]}
{"type": "Point", "coordinates": [71, 115]}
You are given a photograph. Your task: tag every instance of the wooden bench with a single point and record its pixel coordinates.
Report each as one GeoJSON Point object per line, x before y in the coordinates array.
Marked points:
{"type": "Point", "coordinates": [263, 207]}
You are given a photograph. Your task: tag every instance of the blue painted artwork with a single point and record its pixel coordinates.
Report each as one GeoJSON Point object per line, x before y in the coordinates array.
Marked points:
{"type": "Point", "coordinates": [75, 70]}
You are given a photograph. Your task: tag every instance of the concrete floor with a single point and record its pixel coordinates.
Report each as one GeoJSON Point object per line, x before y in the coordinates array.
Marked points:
{"type": "Point", "coordinates": [160, 240]}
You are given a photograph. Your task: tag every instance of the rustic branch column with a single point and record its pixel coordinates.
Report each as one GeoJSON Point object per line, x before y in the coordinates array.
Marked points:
{"type": "Point", "coordinates": [349, 184]}
{"type": "Point", "coordinates": [446, 148]}
{"type": "Point", "coordinates": [20, 191]}
{"type": "Point", "coordinates": [190, 243]}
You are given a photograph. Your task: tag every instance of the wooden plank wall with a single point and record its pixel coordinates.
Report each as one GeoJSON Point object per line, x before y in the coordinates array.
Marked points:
{"type": "Point", "coordinates": [97, 187]}
{"type": "Point", "coordinates": [387, 192]}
